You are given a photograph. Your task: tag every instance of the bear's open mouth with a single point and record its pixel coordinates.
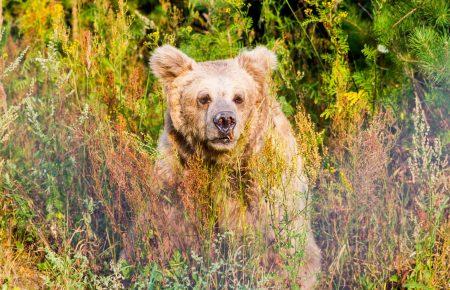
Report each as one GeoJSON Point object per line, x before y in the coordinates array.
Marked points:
{"type": "Point", "coordinates": [223, 140]}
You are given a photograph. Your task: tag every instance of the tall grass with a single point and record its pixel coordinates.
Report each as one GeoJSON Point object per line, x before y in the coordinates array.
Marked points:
{"type": "Point", "coordinates": [81, 114]}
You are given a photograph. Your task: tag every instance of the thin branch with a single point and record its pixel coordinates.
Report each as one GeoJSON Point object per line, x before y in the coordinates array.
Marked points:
{"type": "Point", "coordinates": [365, 10]}
{"type": "Point", "coordinates": [404, 16]}
{"type": "Point", "coordinates": [306, 34]}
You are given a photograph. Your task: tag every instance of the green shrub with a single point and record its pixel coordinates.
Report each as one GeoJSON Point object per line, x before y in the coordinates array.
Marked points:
{"type": "Point", "coordinates": [83, 113]}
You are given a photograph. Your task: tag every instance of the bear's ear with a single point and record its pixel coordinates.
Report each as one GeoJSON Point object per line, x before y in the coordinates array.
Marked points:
{"type": "Point", "coordinates": [258, 62]}
{"type": "Point", "coordinates": [167, 63]}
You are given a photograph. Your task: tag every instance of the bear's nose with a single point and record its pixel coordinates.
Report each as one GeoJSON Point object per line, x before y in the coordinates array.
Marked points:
{"type": "Point", "coordinates": [225, 121]}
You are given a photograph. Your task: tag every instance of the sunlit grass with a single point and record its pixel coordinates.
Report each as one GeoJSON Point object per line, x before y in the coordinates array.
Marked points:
{"type": "Point", "coordinates": [81, 114]}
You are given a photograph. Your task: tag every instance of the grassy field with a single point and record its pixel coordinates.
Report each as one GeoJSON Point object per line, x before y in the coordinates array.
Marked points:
{"type": "Point", "coordinates": [365, 84]}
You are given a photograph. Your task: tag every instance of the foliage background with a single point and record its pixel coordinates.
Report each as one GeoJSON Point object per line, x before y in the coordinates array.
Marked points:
{"type": "Point", "coordinates": [365, 83]}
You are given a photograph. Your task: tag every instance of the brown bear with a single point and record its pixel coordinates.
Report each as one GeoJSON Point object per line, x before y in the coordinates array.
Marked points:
{"type": "Point", "coordinates": [222, 115]}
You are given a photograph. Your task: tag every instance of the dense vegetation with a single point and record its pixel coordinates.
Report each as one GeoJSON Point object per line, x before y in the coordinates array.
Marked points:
{"type": "Point", "coordinates": [365, 83]}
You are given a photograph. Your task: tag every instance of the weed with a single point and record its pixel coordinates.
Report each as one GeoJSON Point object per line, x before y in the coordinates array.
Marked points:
{"type": "Point", "coordinates": [365, 84]}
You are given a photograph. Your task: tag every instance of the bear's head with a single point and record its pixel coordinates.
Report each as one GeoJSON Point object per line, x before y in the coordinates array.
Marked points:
{"type": "Point", "coordinates": [211, 102]}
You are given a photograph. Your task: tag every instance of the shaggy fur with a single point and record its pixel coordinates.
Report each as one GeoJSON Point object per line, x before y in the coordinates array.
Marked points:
{"type": "Point", "coordinates": [189, 133]}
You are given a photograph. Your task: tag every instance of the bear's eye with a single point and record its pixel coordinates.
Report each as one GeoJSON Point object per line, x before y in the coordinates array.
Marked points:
{"type": "Point", "coordinates": [205, 99]}
{"type": "Point", "coordinates": [238, 99]}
